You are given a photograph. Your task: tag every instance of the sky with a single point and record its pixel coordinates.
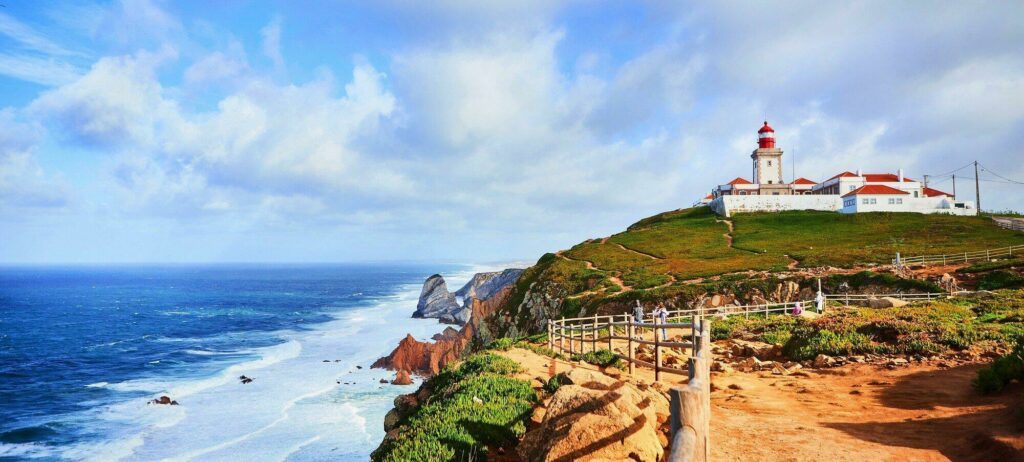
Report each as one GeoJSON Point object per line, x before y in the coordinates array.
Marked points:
{"type": "Point", "coordinates": [142, 131]}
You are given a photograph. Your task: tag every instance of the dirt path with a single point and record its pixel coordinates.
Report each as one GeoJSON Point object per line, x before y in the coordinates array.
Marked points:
{"type": "Point", "coordinates": [793, 263]}
{"type": "Point", "coordinates": [627, 249]}
{"type": "Point", "coordinates": [853, 413]}
{"type": "Point", "coordinates": [864, 412]}
{"type": "Point", "coordinates": [728, 235]}
{"type": "Point", "coordinates": [590, 265]}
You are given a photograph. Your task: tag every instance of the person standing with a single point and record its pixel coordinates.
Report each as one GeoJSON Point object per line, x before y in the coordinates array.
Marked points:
{"type": "Point", "coordinates": [638, 316]}
{"type": "Point", "coordinates": [661, 317]}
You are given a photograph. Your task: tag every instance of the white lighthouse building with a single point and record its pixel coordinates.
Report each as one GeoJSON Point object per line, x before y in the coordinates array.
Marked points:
{"type": "Point", "coordinates": [846, 192]}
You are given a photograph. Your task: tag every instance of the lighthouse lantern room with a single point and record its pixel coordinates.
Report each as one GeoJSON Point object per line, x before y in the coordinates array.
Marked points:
{"type": "Point", "coordinates": [768, 162]}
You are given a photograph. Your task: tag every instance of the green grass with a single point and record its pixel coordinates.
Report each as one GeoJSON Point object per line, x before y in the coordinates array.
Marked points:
{"type": "Point", "coordinates": [601, 358]}
{"type": "Point", "coordinates": [992, 265]}
{"type": "Point", "coordinates": [926, 328]}
{"type": "Point", "coordinates": [1000, 280]}
{"type": "Point", "coordinates": [823, 238]}
{"type": "Point", "coordinates": [471, 407]}
{"type": "Point", "coordinates": [1002, 371]}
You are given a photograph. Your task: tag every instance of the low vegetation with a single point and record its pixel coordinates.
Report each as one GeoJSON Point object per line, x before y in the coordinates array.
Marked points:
{"type": "Point", "coordinates": [992, 265]}
{"type": "Point", "coordinates": [472, 407]}
{"type": "Point", "coordinates": [1001, 279]}
{"type": "Point", "coordinates": [1002, 371]}
{"type": "Point", "coordinates": [600, 358]}
{"type": "Point", "coordinates": [925, 328]}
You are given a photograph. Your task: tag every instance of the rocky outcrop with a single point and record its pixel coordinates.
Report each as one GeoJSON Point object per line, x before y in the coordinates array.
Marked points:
{"type": "Point", "coordinates": [428, 358]}
{"type": "Point", "coordinates": [596, 417]}
{"type": "Point", "coordinates": [436, 301]}
{"type": "Point", "coordinates": [484, 285]}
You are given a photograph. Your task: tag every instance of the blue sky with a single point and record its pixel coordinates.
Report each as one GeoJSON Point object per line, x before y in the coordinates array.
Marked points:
{"type": "Point", "coordinates": [148, 131]}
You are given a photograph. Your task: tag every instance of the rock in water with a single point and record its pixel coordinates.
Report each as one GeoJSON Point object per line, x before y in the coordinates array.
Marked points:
{"type": "Point", "coordinates": [402, 378]}
{"type": "Point", "coordinates": [435, 300]}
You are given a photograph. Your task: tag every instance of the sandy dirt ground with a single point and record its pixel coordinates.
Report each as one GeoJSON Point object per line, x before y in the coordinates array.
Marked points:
{"type": "Point", "coordinates": [852, 413]}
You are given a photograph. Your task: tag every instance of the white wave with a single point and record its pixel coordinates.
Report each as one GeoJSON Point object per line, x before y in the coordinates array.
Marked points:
{"type": "Point", "coordinates": [294, 409]}
{"type": "Point", "coordinates": [97, 385]}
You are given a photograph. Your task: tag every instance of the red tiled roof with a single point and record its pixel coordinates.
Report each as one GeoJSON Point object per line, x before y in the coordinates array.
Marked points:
{"type": "Point", "coordinates": [879, 189]}
{"type": "Point", "coordinates": [803, 181]}
{"type": "Point", "coordinates": [843, 175]}
{"type": "Point", "coordinates": [708, 197]}
{"type": "Point", "coordinates": [739, 181]}
{"type": "Point", "coordinates": [884, 178]}
{"type": "Point", "coordinates": [929, 192]}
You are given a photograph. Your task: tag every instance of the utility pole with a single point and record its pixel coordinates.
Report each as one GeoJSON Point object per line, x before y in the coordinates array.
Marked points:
{"type": "Point", "coordinates": [954, 186]}
{"type": "Point", "coordinates": [926, 182]}
{"type": "Point", "coordinates": [977, 188]}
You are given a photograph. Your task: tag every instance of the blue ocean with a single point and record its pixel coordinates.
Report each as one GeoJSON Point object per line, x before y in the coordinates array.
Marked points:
{"type": "Point", "coordinates": [83, 349]}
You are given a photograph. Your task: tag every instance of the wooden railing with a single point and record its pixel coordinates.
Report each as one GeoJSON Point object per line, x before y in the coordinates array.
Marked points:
{"type": "Point", "coordinates": [961, 257]}
{"type": "Point", "coordinates": [1010, 223]}
{"type": "Point", "coordinates": [690, 406]}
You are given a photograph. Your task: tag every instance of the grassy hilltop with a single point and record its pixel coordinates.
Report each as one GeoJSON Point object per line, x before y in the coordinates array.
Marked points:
{"type": "Point", "coordinates": [689, 252]}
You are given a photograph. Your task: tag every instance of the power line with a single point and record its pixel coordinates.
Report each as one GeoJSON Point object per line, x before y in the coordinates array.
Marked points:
{"type": "Point", "coordinates": [1000, 176]}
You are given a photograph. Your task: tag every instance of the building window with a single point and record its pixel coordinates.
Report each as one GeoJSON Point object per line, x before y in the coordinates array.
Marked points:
{"type": "Point", "coordinates": [865, 201]}
{"type": "Point", "coordinates": [899, 201]}
{"type": "Point", "coordinates": [769, 163]}
{"type": "Point", "coordinates": [874, 201]}
{"type": "Point", "coordinates": [852, 187]}
{"type": "Point", "coordinates": [769, 181]}
{"type": "Point", "coordinates": [915, 193]}
{"type": "Point", "coordinates": [892, 201]}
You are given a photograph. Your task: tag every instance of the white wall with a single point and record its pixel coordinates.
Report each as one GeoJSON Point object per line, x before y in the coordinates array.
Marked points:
{"type": "Point", "coordinates": [728, 205]}
{"type": "Point", "coordinates": [910, 204]}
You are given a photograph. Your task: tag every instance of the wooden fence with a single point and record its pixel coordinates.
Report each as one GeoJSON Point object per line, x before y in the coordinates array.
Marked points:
{"type": "Point", "coordinates": [690, 406]}
{"type": "Point", "coordinates": [589, 334]}
{"type": "Point", "coordinates": [962, 257]}
{"type": "Point", "coordinates": [1015, 224]}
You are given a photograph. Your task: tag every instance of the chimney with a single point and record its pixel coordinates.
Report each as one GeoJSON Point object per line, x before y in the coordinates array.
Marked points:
{"type": "Point", "coordinates": [858, 172]}
{"type": "Point", "coordinates": [899, 173]}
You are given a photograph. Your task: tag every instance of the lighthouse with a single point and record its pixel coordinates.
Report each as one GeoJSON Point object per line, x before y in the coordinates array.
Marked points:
{"type": "Point", "coordinates": [768, 163]}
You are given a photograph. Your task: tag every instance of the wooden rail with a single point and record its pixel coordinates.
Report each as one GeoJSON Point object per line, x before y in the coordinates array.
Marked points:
{"type": "Point", "coordinates": [690, 406]}
{"type": "Point", "coordinates": [1015, 224]}
{"type": "Point", "coordinates": [960, 257]}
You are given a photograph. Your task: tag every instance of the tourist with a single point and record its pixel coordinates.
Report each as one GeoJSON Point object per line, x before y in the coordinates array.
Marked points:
{"type": "Point", "coordinates": [798, 309]}
{"type": "Point", "coordinates": [638, 316]}
{"type": "Point", "coordinates": [661, 317]}
{"type": "Point", "coordinates": [820, 302]}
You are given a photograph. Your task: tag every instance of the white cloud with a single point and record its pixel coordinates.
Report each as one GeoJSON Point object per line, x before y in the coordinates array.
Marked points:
{"type": "Point", "coordinates": [41, 70]}
{"type": "Point", "coordinates": [29, 37]}
{"type": "Point", "coordinates": [23, 184]}
{"type": "Point", "coordinates": [271, 34]}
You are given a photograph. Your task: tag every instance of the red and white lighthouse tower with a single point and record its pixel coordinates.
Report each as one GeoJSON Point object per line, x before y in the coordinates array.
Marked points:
{"type": "Point", "coordinates": [766, 136]}
{"type": "Point", "coordinates": [768, 163]}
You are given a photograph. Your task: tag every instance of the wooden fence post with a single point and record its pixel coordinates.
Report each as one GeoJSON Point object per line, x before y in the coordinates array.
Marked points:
{"type": "Point", "coordinates": [561, 335]}
{"type": "Point", "coordinates": [572, 341]}
{"type": "Point", "coordinates": [629, 345]}
{"type": "Point", "coordinates": [594, 335]}
{"type": "Point", "coordinates": [551, 338]}
{"type": "Point", "coordinates": [611, 331]}
{"type": "Point", "coordinates": [657, 355]}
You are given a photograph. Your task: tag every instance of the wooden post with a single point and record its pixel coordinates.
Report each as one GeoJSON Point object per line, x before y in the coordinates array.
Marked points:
{"type": "Point", "coordinates": [551, 338]}
{"type": "Point", "coordinates": [595, 332]}
{"type": "Point", "coordinates": [611, 331]}
{"type": "Point", "coordinates": [657, 355]}
{"type": "Point", "coordinates": [572, 343]}
{"type": "Point", "coordinates": [561, 335]}
{"type": "Point", "coordinates": [629, 345]}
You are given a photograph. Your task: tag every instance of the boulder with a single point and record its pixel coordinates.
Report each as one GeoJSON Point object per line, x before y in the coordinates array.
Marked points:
{"type": "Point", "coordinates": [886, 302]}
{"type": "Point", "coordinates": [402, 378]}
{"type": "Point", "coordinates": [824, 361]}
{"type": "Point", "coordinates": [595, 417]}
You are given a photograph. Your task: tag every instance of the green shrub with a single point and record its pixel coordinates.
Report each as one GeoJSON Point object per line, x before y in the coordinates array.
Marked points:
{"type": "Point", "coordinates": [602, 358]}
{"type": "Point", "coordinates": [1003, 369]}
{"type": "Point", "coordinates": [992, 265]}
{"type": "Point", "coordinates": [472, 406]}
{"type": "Point", "coordinates": [1000, 280]}
{"type": "Point", "coordinates": [808, 342]}
{"type": "Point", "coordinates": [554, 383]}
{"type": "Point", "coordinates": [502, 344]}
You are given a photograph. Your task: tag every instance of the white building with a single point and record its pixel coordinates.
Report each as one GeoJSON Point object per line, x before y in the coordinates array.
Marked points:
{"type": "Point", "coordinates": [846, 192]}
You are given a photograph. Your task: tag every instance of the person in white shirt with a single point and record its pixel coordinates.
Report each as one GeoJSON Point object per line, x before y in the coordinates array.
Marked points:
{"type": "Point", "coordinates": [661, 317]}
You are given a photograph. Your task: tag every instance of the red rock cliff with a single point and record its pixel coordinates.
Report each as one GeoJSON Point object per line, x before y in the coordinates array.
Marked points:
{"type": "Point", "coordinates": [428, 358]}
